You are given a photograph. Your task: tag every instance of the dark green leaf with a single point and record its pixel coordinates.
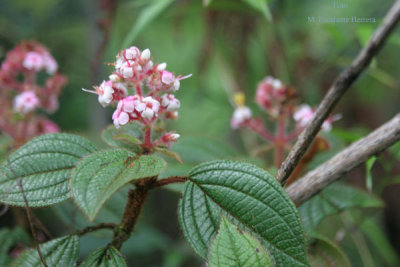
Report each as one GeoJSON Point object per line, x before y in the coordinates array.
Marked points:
{"type": "Point", "coordinates": [63, 251]}
{"type": "Point", "coordinates": [248, 196]}
{"type": "Point", "coordinates": [233, 247]}
{"type": "Point", "coordinates": [334, 199]}
{"type": "Point", "coordinates": [101, 174]}
{"type": "Point", "coordinates": [127, 136]}
{"type": "Point", "coordinates": [104, 257]}
{"type": "Point", "coordinates": [42, 167]}
{"type": "Point", "coordinates": [322, 252]}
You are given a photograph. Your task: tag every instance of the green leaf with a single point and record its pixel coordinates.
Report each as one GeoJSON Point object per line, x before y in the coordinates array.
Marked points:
{"type": "Point", "coordinates": [379, 241]}
{"type": "Point", "coordinates": [104, 257]}
{"type": "Point", "coordinates": [334, 199]}
{"type": "Point", "coordinates": [127, 136]}
{"type": "Point", "coordinates": [97, 177]}
{"type": "Point", "coordinates": [43, 167]}
{"type": "Point", "coordinates": [169, 153]}
{"type": "Point", "coordinates": [233, 247]}
{"type": "Point", "coordinates": [369, 164]}
{"type": "Point", "coordinates": [63, 251]}
{"type": "Point", "coordinates": [206, 2]}
{"type": "Point", "coordinates": [261, 6]}
{"type": "Point", "coordinates": [8, 239]}
{"type": "Point", "coordinates": [248, 196]}
{"type": "Point", "coordinates": [147, 15]}
{"type": "Point", "coordinates": [322, 252]}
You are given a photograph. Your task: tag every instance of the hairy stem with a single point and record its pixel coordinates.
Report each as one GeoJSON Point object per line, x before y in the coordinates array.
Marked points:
{"type": "Point", "coordinates": [339, 87]}
{"type": "Point", "coordinates": [133, 208]}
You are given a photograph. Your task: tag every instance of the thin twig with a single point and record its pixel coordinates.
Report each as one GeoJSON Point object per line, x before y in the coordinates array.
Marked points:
{"type": "Point", "coordinates": [339, 87]}
{"type": "Point", "coordinates": [346, 160]}
{"type": "Point", "coordinates": [28, 213]}
{"type": "Point", "coordinates": [93, 228]}
{"type": "Point", "coordinates": [169, 180]}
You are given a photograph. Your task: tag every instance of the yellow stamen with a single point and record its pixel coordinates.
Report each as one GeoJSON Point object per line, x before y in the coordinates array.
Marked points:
{"type": "Point", "coordinates": [239, 99]}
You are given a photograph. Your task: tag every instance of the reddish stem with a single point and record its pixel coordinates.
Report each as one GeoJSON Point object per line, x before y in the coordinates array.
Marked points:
{"type": "Point", "coordinates": [258, 128]}
{"type": "Point", "coordinates": [293, 135]}
{"type": "Point", "coordinates": [280, 139]}
{"type": "Point", "coordinates": [139, 89]}
{"type": "Point", "coordinates": [169, 180]}
{"type": "Point", "coordinates": [147, 137]}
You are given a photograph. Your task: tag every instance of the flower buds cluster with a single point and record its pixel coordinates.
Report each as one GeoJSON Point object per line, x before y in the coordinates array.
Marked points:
{"type": "Point", "coordinates": [126, 88]}
{"type": "Point", "coordinates": [21, 95]}
{"type": "Point", "coordinates": [270, 95]}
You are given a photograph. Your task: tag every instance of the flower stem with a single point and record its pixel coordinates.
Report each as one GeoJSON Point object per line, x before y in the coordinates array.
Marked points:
{"type": "Point", "coordinates": [280, 139]}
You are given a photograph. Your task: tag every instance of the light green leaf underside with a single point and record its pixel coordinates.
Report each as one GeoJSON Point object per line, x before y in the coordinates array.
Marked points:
{"type": "Point", "coordinates": [8, 238]}
{"type": "Point", "coordinates": [249, 197]}
{"type": "Point", "coordinates": [334, 199]}
{"type": "Point", "coordinates": [43, 167]}
{"type": "Point", "coordinates": [322, 252]}
{"type": "Point", "coordinates": [101, 174]}
{"type": "Point", "coordinates": [104, 257]}
{"type": "Point", "coordinates": [127, 136]}
{"type": "Point", "coordinates": [233, 247]}
{"type": "Point", "coordinates": [63, 251]}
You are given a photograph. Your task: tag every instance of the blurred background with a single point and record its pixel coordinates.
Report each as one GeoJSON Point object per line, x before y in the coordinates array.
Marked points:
{"type": "Point", "coordinates": [228, 46]}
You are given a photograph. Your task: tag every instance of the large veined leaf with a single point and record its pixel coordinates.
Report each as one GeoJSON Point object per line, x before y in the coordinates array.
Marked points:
{"type": "Point", "coordinates": [63, 251]}
{"type": "Point", "coordinates": [334, 199]}
{"type": "Point", "coordinates": [8, 239]}
{"type": "Point", "coordinates": [101, 174]}
{"type": "Point", "coordinates": [104, 257]}
{"type": "Point", "coordinates": [233, 247]}
{"type": "Point", "coordinates": [249, 197]}
{"type": "Point", "coordinates": [322, 252]}
{"type": "Point", "coordinates": [42, 167]}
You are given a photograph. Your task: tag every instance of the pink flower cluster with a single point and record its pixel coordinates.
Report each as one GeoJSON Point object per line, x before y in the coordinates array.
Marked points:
{"type": "Point", "coordinates": [304, 114]}
{"type": "Point", "coordinates": [274, 97]}
{"type": "Point", "coordinates": [21, 93]}
{"type": "Point", "coordinates": [142, 91]}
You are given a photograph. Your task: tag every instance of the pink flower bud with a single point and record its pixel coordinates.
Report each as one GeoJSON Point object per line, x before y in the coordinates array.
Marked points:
{"type": "Point", "coordinates": [26, 102]}
{"type": "Point", "coordinates": [33, 61]}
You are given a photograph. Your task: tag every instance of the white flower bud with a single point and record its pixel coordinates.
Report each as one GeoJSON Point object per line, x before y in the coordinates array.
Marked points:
{"type": "Point", "coordinates": [145, 54]}
{"type": "Point", "coordinates": [162, 66]}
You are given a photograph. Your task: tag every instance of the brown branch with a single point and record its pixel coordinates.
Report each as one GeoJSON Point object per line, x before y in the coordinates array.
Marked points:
{"type": "Point", "coordinates": [346, 160]}
{"type": "Point", "coordinates": [133, 208]}
{"type": "Point", "coordinates": [93, 228]}
{"type": "Point", "coordinates": [339, 87]}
